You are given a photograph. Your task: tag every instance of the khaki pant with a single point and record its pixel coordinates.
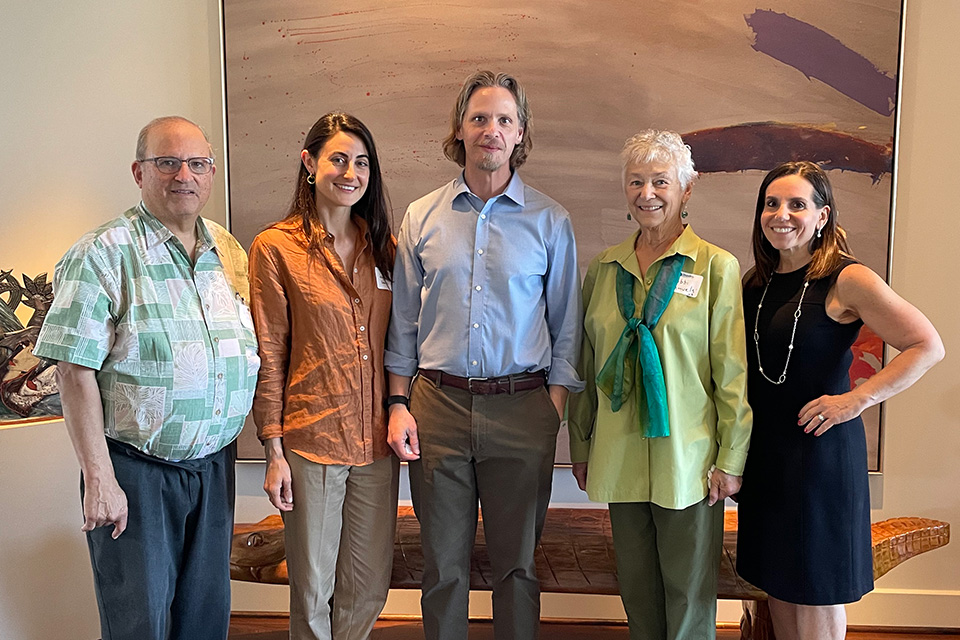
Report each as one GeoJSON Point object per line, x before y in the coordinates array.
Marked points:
{"type": "Point", "coordinates": [339, 542]}
{"type": "Point", "coordinates": [667, 564]}
{"type": "Point", "coordinates": [497, 449]}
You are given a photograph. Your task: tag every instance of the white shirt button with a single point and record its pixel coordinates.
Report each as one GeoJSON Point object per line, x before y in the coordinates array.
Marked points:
{"type": "Point", "coordinates": [478, 287]}
{"type": "Point", "coordinates": [216, 339]}
{"type": "Point", "coordinates": [474, 363]}
{"type": "Point", "coordinates": [366, 357]}
{"type": "Point", "coordinates": [355, 270]}
{"type": "Point", "coordinates": [483, 216]}
{"type": "Point", "coordinates": [356, 300]}
{"type": "Point", "coordinates": [480, 251]}
{"type": "Point", "coordinates": [362, 328]}
{"type": "Point", "coordinates": [476, 325]}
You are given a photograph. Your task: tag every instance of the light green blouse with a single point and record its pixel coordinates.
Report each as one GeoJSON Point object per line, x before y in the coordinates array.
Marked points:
{"type": "Point", "coordinates": [702, 349]}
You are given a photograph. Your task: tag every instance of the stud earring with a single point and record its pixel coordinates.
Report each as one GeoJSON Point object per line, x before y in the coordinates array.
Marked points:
{"type": "Point", "coordinates": [311, 179]}
{"type": "Point", "coordinates": [629, 217]}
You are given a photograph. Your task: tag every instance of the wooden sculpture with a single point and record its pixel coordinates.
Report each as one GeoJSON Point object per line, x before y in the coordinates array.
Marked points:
{"type": "Point", "coordinates": [576, 555]}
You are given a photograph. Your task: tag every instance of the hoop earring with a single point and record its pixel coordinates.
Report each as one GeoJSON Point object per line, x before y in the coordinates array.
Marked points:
{"type": "Point", "coordinates": [311, 179]}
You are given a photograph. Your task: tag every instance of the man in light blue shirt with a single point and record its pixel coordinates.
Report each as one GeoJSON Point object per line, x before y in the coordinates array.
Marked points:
{"type": "Point", "coordinates": [487, 316]}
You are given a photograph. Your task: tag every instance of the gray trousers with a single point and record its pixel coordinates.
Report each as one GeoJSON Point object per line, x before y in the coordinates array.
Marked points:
{"type": "Point", "coordinates": [497, 449]}
{"type": "Point", "coordinates": [667, 565]}
{"type": "Point", "coordinates": [168, 574]}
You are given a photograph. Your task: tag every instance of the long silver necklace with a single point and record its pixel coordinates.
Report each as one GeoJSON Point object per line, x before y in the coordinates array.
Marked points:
{"type": "Point", "coordinates": [756, 333]}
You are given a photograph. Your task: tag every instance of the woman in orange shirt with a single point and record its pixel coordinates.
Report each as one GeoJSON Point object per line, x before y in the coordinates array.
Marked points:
{"type": "Point", "coordinates": [320, 288]}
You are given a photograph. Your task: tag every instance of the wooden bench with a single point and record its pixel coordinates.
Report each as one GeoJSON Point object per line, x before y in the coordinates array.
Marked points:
{"type": "Point", "coordinates": [576, 555]}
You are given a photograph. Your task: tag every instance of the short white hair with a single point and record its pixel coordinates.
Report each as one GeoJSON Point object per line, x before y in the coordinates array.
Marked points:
{"type": "Point", "coordinates": [667, 147]}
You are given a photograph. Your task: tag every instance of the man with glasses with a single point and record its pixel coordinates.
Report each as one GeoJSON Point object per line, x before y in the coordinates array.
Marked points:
{"type": "Point", "coordinates": [157, 368]}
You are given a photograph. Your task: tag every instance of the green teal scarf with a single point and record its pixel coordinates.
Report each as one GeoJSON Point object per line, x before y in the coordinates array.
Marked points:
{"type": "Point", "coordinates": [636, 348]}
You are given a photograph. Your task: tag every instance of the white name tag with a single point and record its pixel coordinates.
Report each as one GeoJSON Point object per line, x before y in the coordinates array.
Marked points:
{"type": "Point", "coordinates": [246, 320]}
{"type": "Point", "coordinates": [689, 284]}
{"type": "Point", "coordinates": [383, 283]}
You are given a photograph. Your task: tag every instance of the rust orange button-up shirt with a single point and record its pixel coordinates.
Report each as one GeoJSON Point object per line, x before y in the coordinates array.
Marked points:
{"type": "Point", "coordinates": [321, 334]}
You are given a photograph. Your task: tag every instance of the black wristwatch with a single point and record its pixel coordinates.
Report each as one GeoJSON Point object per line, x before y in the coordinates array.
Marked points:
{"type": "Point", "coordinates": [404, 400]}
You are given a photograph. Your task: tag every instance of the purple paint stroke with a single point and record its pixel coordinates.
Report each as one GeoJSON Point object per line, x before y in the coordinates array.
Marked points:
{"type": "Point", "coordinates": [817, 54]}
{"type": "Point", "coordinates": [764, 145]}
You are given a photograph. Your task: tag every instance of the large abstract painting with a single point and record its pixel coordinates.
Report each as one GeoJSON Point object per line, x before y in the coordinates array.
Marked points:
{"type": "Point", "coordinates": [749, 83]}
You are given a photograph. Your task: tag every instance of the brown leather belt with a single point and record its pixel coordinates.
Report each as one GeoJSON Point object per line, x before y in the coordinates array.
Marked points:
{"type": "Point", "coordinates": [487, 386]}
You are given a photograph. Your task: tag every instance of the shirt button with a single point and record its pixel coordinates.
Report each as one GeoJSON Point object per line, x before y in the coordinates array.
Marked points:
{"type": "Point", "coordinates": [483, 216]}
{"type": "Point", "coordinates": [362, 328]}
{"type": "Point", "coordinates": [356, 300]}
{"type": "Point", "coordinates": [355, 270]}
{"type": "Point", "coordinates": [366, 357]}
{"type": "Point", "coordinates": [478, 287]}
{"type": "Point", "coordinates": [476, 325]}
{"type": "Point", "coordinates": [217, 412]}
{"type": "Point", "coordinates": [474, 363]}
{"type": "Point", "coordinates": [480, 251]}
{"type": "Point", "coordinates": [216, 339]}
{"type": "Point", "coordinates": [219, 376]}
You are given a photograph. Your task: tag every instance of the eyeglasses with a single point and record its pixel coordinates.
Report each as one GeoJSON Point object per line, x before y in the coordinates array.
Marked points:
{"type": "Point", "coordinates": [171, 165]}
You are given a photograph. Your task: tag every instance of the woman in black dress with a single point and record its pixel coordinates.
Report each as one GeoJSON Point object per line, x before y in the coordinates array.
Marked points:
{"type": "Point", "coordinates": [804, 532]}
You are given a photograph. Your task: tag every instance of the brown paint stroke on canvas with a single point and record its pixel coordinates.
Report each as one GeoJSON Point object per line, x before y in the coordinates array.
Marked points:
{"type": "Point", "coordinates": [817, 54]}
{"type": "Point", "coordinates": [764, 145]}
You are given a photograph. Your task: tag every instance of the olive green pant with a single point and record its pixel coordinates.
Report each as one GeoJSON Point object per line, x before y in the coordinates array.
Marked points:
{"type": "Point", "coordinates": [497, 449]}
{"type": "Point", "coordinates": [667, 565]}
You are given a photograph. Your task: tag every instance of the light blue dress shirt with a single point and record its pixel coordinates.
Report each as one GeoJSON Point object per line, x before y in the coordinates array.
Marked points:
{"type": "Point", "coordinates": [486, 289]}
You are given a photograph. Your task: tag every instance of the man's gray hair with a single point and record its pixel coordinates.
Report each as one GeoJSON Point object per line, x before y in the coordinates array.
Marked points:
{"type": "Point", "coordinates": [159, 122]}
{"type": "Point", "coordinates": [666, 147]}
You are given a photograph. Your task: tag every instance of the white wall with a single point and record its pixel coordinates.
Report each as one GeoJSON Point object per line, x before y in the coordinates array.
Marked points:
{"type": "Point", "coordinates": [78, 80]}
{"type": "Point", "coordinates": [922, 438]}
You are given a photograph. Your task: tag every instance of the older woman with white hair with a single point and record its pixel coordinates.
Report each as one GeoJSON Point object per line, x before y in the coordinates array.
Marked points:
{"type": "Point", "coordinates": [662, 429]}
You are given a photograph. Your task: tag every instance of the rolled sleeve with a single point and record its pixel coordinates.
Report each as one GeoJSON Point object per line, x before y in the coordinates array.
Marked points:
{"type": "Point", "coordinates": [728, 363]}
{"type": "Point", "coordinates": [79, 326]}
{"type": "Point", "coordinates": [400, 355]}
{"type": "Point", "coordinates": [271, 318]}
{"type": "Point", "coordinates": [564, 308]}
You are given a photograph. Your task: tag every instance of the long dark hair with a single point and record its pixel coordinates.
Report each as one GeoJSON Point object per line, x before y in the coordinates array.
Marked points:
{"type": "Point", "coordinates": [372, 206]}
{"type": "Point", "coordinates": [828, 250]}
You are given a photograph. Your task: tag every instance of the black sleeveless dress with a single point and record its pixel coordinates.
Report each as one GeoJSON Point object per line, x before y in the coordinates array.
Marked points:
{"type": "Point", "coordinates": [804, 512]}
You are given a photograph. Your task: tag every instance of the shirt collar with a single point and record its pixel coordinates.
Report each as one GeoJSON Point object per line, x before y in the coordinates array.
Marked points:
{"type": "Point", "coordinates": [514, 191]}
{"type": "Point", "coordinates": [156, 233]}
{"type": "Point", "coordinates": [687, 245]}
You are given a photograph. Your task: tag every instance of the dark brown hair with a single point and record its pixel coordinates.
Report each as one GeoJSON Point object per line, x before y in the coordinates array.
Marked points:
{"type": "Point", "coordinates": [372, 206]}
{"type": "Point", "coordinates": [453, 148]}
{"type": "Point", "coordinates": [828, 250]}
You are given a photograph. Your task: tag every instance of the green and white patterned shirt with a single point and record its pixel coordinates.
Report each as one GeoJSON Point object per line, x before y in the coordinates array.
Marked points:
{"type": "Point", "coordinates": [172, 342]}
